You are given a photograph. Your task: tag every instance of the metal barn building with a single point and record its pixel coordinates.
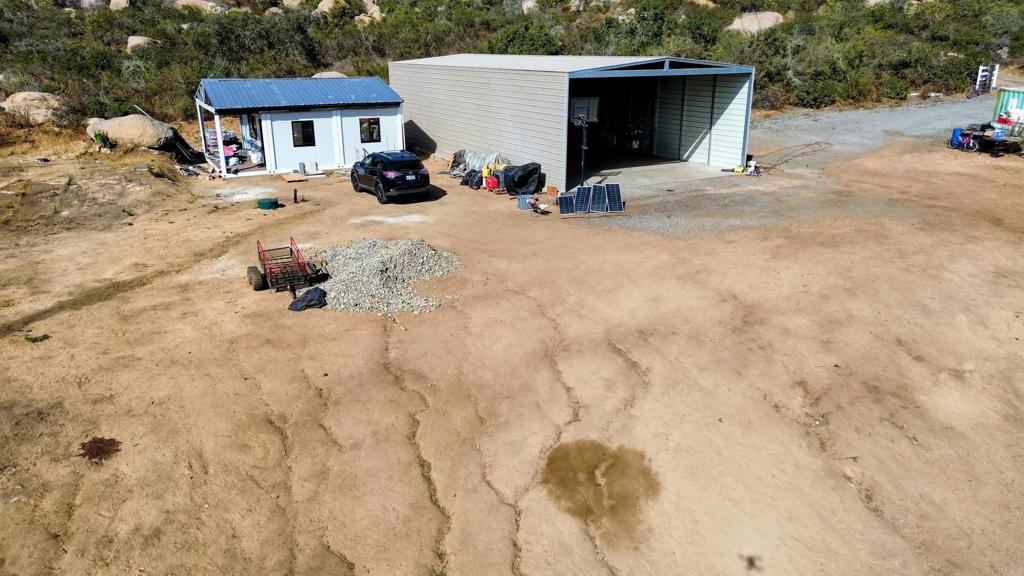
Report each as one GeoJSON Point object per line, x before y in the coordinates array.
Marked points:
{"type": "Point", "coordinates": [318, 123]}
{"type": "Point", "coordinates": [660, 114]}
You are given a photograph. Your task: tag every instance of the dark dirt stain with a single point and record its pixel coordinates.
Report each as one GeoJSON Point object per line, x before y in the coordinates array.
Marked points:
{"type": "Point", "coordinates": [607, 488]}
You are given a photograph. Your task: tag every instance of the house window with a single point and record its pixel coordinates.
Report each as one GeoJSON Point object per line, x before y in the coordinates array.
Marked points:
{"type": "Point", "coordinates": [369, 130]}
{"type": "Point", "coordinates": [302, 133]}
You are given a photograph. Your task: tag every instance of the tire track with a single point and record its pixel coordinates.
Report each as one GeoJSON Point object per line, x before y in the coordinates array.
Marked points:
{"type": "Point", "coordinates": [114, 288]}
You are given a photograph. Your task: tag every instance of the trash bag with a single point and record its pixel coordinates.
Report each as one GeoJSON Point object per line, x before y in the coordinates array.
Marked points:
{"type": "Point", "coordinates": [476, 179]}
{"type": "Point", "coordinates": [312, 298]}
{"type": "Point", "coordinates": [523, 179]}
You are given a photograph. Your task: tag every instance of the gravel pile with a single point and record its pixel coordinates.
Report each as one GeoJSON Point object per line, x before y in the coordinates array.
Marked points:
{"type": "Point", "coordinates": [377, 275]}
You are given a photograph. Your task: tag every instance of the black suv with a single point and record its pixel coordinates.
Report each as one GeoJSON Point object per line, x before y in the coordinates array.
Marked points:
{"type": "Point", "coordinates": [390, 174]}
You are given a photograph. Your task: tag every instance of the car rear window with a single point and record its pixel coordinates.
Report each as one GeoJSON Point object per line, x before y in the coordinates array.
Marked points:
{"type": "Point", "coordinates": [406, 164]}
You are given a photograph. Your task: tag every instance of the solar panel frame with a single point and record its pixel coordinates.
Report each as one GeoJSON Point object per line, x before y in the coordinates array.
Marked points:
{"type": "Point", "coordinates": [566, 204]}
{"type": "Point", "coordinates": [583, 194]}
{"type": "Point", "coordinates": [599, 199]}
{"type": "Point", "coordinates": [614, 193]}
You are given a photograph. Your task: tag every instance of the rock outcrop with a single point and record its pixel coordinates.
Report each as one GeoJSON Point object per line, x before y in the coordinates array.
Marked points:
{"type": "Point", "coordinates": [134, 130]}
{"type": "Point", "coordinates": [119, 4]}
{"type": "Point", "coordinates": [754, 22]}
{"type": "Point", "coordinates": [204, 5]}
{"type": "Point", "coordinates": [326, 6]}
{"type": "Point", "coordinates": [136, 42]}
{"type": "Point", "coordinates": [38, 107]}
{"type": "Point", "coordinates": [329, 74]}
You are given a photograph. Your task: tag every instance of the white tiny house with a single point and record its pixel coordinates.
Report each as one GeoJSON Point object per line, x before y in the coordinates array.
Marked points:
{"type": "Point", "coordinates": [294, 124]}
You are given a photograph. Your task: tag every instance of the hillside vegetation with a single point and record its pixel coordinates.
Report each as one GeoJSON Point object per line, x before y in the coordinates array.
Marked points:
{"type": "Point", "coordinates": [825, 52]}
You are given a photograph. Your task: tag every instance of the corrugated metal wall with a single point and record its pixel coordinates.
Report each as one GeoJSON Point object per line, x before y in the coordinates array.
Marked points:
{"type": "Point", "coordinates": [697, 119]}
{"type": "Point", "coordinates": [702, 119]}
{"type": "Point", "coordinates": [521, 114]}
{"type": "Point", "coordinates": [730, 121]}
{"type": "Point", "coordinates": [668, 118]}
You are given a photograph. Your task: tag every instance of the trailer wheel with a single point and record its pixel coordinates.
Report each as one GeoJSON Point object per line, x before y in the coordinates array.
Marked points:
{"type": "Point", "coordinates": [970, 146]}
{"type": "Point", "coordinates": [256, 278]}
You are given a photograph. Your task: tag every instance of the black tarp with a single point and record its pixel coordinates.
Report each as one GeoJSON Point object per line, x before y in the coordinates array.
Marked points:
{"type": "Point", "coordinates": [523, 179]}
{"type": "Point", "coordinates": [312, 298]}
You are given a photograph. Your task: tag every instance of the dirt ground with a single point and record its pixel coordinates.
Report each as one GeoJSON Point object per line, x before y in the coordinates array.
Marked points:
{"type": "Point", "coordinates": [831, 389]}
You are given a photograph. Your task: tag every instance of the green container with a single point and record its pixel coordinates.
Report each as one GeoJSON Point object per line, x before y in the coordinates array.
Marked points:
{"type": "Point", "coordinates": [266, 203]}
{"type": "Point", "coordinates": [1008, 98]}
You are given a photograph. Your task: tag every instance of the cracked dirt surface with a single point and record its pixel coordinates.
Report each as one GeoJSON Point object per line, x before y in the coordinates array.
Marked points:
{"type": "Point", "coordinates": [838, 396]}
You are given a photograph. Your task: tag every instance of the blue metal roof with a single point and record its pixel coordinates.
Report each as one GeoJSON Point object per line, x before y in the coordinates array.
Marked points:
{"type": "Point", "coordinates": [235, 94]}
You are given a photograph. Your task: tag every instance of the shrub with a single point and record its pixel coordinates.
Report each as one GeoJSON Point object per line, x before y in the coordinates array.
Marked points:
{"type": "Point", "coordinates": [817, 93]}
{"type": "Point", "coordinates": [895, 88]}
{"type": "Point", "coordinates": [103, 140]}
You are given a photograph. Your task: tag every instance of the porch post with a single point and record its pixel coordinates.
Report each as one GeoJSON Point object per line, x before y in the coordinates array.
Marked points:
{"type": "Point", "coordinates": [202, 127]}
{"type": "Point", "coordinates": [220, 145]}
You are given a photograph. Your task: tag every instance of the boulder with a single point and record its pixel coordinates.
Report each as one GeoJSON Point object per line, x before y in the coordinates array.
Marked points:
{"type": "Point", "coordinates": [373, 10]}
{"type": "Point", "coordinates": [292, 3]}
{"type": "Point", "coordinates": [38, 107]}
{"type": "Point", "coordinates": [138, 42]}
{"type": "Point", "coordinates": [529, 5]}
{"type": "Point", "coordinates": [754, 22]}
{"type": "Point", "coordinates": [273, 10]}
{"type": "Point", "coordinates": [363, 20]}
{"type": "Point", "coordinates": [329, 74]}
{"type": "Point", "coordinates": [204, 5]}
{"type": "Point", "coordinates": [134, 129]}
{"type": "Point", "coordinates": [326, 6]}
{"type": "Point", "coordinates": [119, 4]}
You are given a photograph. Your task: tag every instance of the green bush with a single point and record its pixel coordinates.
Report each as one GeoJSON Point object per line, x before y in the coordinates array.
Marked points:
{"type": "Point", "coordinates": [895, 88]}
{"type": "Point", "coordinates": [103, 140]}
{"type": "Point", "coordinates": [817, 93]}
{"type": "Point", "coordinates": [829, 50]}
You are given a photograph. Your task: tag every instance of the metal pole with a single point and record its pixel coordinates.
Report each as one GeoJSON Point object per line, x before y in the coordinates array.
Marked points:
{"type": "Point", "coordinates": [583, 156]}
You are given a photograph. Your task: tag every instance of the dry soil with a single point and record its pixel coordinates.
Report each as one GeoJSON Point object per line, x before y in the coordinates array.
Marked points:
{"type": "Point", "coordinates": [836, 393]}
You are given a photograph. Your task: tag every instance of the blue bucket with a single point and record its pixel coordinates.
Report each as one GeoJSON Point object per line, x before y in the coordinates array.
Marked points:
{"type": "Point", "coordinates": [524, 201]}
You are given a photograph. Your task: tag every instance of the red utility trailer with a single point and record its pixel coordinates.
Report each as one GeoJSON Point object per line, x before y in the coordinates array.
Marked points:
{"type": "Point", "coordinates": [282, 268]}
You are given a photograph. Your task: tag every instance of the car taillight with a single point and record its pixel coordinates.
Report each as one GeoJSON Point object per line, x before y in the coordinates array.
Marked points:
{"type": "Point", "coordinates": [392, 174]}
{"type": "Point", "coordinates": [424, 172]}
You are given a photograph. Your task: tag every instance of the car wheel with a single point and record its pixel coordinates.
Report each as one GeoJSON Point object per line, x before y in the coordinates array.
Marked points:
{"type": "Point", "coordinates": [355, 183]}
{"type": "Point", "coordinates": [381, 197]}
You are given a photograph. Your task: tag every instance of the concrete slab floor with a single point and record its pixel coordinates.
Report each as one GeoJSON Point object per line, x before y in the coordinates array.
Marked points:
{"type": "Point", "coordinates": [640, 179]}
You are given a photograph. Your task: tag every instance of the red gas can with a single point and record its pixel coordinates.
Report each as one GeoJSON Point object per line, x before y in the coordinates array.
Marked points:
{"type": "Point", "coordinates": [491, 182]}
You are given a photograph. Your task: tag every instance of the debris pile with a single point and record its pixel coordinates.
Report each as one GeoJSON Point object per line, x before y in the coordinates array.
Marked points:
{"type": "Point", "coordinates": [377, 275]}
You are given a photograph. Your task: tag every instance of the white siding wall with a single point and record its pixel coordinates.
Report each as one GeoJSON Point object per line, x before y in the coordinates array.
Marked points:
{"type": "Point", "coordinates": [521, 114]}
{"type": "Point", "coordinates": [338, 143]}
{"type": "Point", "coordinates": [668, 118]}
{"type": "Point", "coordinates": [287, 157]}
{"type": "Point", "coordinates": [697, 119]}
{"type": "Point", "coordinates": [730, 121]}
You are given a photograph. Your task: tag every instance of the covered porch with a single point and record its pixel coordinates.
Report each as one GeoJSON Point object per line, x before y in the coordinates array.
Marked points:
{"type": "Point", "coordinates": [231, 152]}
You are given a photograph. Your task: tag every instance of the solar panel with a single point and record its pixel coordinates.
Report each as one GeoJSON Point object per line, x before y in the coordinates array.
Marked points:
{"type": "Point", "coordinates": [583, 198]}
{"type": "Point", "coordinates": [614, 197]}
{"type": "Point", "coordinates": [599, 200]}
{"type": "Point", "coordinates": [566, 204]}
